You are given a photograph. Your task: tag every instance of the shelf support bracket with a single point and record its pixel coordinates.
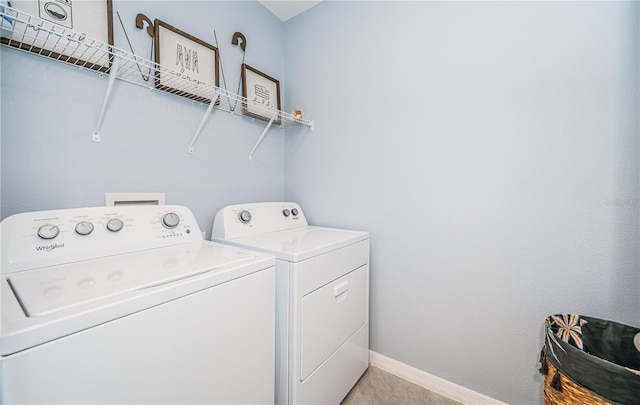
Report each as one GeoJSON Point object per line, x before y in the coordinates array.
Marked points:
{"type": "Point", "coordinates": [195, 137]}
{"type": "Point", "coordinates": [113, 72]}
{"type": "Point", "coordinates": [273, 117]}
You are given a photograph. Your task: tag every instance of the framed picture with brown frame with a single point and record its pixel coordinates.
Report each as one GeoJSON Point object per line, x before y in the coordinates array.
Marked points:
{"type": "Point", "coordinates": [77, 32]}
{"type": "Point", "coordinates": [191, 64]}
{"type": "Point", "coordinates": [262, 93]}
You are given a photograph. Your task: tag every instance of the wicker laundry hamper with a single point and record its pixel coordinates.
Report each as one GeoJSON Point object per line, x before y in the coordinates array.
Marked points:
{"type": "Point", "coordinates": [590, 361]}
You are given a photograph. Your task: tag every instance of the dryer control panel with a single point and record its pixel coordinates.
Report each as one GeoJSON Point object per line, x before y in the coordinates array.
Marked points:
{"type": "Point", "coordinates": [240, 220]}
{"type": "Point", "coordinates": [46, 238]}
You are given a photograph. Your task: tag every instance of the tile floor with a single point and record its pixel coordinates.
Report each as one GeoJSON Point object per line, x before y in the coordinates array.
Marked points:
{"type": "Point", "coordinates": [377, 387]}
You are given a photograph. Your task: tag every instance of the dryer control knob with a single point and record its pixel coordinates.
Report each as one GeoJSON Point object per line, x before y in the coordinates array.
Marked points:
{"type": "Point", "coordinates": [170, 220]}
{"type": "Point", "coordinates": [286, 212]}
{"type": "Point", "coordinates": [244, 216]}
{"type": "Point", "coordinates": [294, 211]}
{"type": "Point", "coordinates": [84, 228]}
{"type": "Point", "coordinates": [115, 224]}
{"type": "Point", "coordinates": [48, 231]}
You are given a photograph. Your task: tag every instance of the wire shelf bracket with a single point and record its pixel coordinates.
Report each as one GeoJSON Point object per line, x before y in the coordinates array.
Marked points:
{"type": "Point", "coordinates": [95, 135]}
{"type": "Point", "coordinates": [195, 137]}
{"type": "Point", "coordinates": [264, 133]}
{"type": "Point", "coordinates": [33, 35]}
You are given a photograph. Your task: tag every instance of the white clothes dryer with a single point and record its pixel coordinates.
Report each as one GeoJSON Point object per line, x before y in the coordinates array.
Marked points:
{"type": "Point", "coordinates": [129, 305]}
{"type": "Point", "coordinates": [322, 297]}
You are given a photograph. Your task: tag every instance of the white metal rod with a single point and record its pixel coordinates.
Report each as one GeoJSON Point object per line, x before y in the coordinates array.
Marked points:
{"type": "Point", "coordinates": [273, 117]}
{"type": "Point", "coordinates": [204, 119]}
{"type": "Point", "coordinates": [95, 137]}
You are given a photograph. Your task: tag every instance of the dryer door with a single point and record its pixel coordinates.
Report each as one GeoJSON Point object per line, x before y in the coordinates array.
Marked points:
{"type": "Point", "coordinates": [330, 316]}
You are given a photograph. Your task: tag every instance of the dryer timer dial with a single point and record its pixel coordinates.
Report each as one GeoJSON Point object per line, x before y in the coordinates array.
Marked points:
{"type": "Point", "coordinates": [244, 216]}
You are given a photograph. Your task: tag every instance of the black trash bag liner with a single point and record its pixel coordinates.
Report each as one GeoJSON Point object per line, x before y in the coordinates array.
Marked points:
{"type": "Point", "coordinates": [599, 355]}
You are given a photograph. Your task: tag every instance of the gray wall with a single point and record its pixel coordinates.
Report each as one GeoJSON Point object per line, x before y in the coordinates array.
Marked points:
{"type": "Point", "coordinates": [491, 149]}
{"type": "Point", "coordinates": [49, 111]}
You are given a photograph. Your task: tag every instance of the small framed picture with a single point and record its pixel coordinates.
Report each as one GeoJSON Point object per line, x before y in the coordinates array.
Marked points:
{"type": "Point", "coordinates": [78, 32]}
{"type": "Point", "coordinates": [262, 93]}
{"type": "Point", "coordinates": [192, 63]}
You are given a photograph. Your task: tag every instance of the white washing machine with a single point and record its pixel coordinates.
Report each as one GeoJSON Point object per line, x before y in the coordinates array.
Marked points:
{"type": "Point", "coordinates": [128, 305]}
{"type": "Point", "coordinates": [322, 297]}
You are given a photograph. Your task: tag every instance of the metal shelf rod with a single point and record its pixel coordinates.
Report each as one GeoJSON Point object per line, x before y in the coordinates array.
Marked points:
{"type": "Point", "coordinates": [95, 136]}
{"type": "Point", "coordinates": [195, 137]}
{"type": "Point", "coordinates": [264, 133]}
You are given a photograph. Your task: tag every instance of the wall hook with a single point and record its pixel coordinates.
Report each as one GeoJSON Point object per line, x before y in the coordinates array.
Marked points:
{"type": "Point", "coordinates": [238, 37]}
{"type": "Point", "coordinates": [141, 19]}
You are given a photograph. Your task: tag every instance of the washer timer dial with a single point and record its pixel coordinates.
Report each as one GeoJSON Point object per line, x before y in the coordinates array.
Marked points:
{"type": "Point", "coordinates": [115, 224]}
{"type": "Point", "coordinates": [170, 220]}
{"type": "Point", "coordinates": [84, 228]}
{"type": "Point", "coordinates": [48, 231]}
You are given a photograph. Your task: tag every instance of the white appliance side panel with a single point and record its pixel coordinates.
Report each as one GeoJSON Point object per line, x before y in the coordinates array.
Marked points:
{"type": "Point", "coordinates": [283, 329]}
{"type": "Point", "coordinates": [215, 346]}
{"type": "Point", "coordinates": [315, 272]}
{"type": "Point", "coordinates": [332, 382]}
{"type": "Point", "coordinates": [330, 316]}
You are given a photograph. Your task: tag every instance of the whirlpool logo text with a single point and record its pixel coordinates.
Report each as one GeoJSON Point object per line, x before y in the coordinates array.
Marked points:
{"type": "Point", "coordinates": [49, 248]}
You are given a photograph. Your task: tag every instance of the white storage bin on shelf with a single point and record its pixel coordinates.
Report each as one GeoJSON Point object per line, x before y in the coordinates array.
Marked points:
{"type": "Point", "coordinates": [25, 32]}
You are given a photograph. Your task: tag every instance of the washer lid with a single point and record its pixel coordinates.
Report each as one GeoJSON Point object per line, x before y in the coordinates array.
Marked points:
{"type": "Point", "coordinates": [299, 244]}
{"type": "Point", "coordinates": [64, 299]}
{"type": "Point", "coordinates": [45, 291]}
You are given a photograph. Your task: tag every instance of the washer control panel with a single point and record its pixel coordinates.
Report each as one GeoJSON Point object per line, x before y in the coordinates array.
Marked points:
{"type": "Point", "coordinates": [46, 238]}
{"type": "Point", "coordinates": [240, 220]}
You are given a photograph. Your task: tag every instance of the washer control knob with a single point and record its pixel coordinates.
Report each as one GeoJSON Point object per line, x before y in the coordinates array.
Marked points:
{"type": "Point", "coordinates": [115, 224]}
{"type": "Point", "coordinates": [170, 220]}
{"type": "Point", "coordinates": [294, 211]}
{"type": "Point", "coordinates": [48, 231]}
{"type": "Point", "coordinates": [244, 216]}
{"type": "Point", "coordinates": [286, 212]}
{"type": "Point", "coordinates": [84, 228]}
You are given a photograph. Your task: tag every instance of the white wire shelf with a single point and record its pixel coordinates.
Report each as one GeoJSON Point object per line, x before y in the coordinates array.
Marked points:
{"type": "Point", "coordinates": [34, 35]}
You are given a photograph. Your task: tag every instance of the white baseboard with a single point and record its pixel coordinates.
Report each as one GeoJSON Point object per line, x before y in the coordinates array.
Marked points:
{"type": "Point", "coordinates": [431, 382]}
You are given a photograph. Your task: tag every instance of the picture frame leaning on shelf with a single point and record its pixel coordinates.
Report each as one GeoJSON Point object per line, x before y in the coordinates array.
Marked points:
{"type": "Point", "coordinates": [188, 66]}
{"type": "Point", "coordinates": [262, 93]}
{"type": "Point", "coordinates": [77, 32]}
